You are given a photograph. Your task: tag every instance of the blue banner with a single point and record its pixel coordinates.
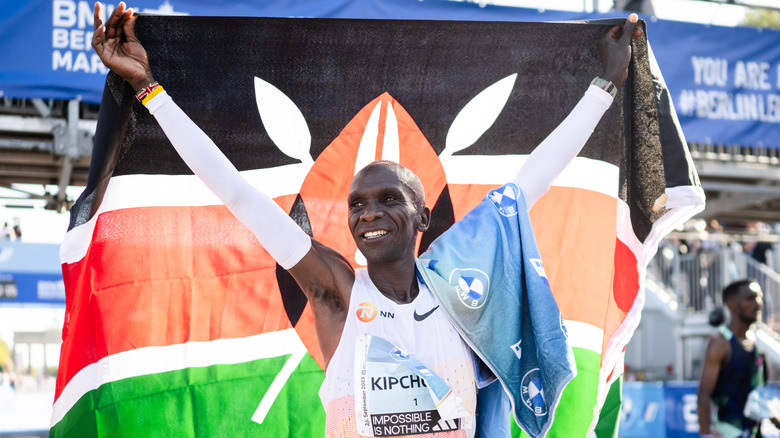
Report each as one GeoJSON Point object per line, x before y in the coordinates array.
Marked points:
{"type": "Point", "coordinates": [725, 82]}
{"type": "Point", "coordinates": [30, 273]}
{"type": "Point", "coordinates": [668, 410]}
{"type": "Point", "coordinates": [31, 288]}
{"type": "Point", "coordinates": [682, 419]}
{"type": "Point", "coordinates": [46, 52]}
{"type": "Point", "coordinates": [642, 412]}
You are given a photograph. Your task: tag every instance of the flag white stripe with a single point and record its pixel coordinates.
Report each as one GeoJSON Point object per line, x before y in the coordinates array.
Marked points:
{"type": "Point", "coordinates": [130, 191]}
{"type": "Point", "coordinates": [584, 335]}
{"type": "Point", "coordinates": [584, 173]}
{"type": "Point", "coordinates": [276, 386]}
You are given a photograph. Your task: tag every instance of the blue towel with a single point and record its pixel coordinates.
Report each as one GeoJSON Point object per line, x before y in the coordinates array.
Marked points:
{"type": "Point", "coordinates": [488, 276]}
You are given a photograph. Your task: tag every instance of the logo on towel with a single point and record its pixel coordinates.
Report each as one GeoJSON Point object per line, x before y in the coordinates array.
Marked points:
{"type": "Point", "coordinates": [538, 267]}
{"type": "Point", "coordinates": [533, 393]}
{"type": "Point", "coordinates": [505, 200]}
{"type": "Point", "coordinates": [518, 349]}
{"type": "Point", "coordinates": [472, 286]}
{"type": "Point", "coordinates": [366, 312]}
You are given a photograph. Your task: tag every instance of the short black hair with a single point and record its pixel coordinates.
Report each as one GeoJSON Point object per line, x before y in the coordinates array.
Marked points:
{"type": "Point", "coordinates": [732, 290]}
{"type": "Point", "coordinates": [407, 176]}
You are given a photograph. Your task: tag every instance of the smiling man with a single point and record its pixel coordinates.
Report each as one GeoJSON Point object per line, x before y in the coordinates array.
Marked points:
{"type": "Point", "coordinates": [399, 360]}
{"type": "Point", "coordinates": [386, 211]}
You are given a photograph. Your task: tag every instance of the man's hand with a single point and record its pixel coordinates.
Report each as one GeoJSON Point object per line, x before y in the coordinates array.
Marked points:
{"type": "Point", "coordinates": [119, 49]}
{"type": "Point", "coordinates": [615, 50]}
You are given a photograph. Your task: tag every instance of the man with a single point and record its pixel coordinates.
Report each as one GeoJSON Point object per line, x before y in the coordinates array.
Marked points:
{"type": "Point", "coordinates": [732, 365]}
{"type": "Point", "coordinates": [386, 211]}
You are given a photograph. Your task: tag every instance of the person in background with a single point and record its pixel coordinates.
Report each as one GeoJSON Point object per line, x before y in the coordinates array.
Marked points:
{"type": "Point", "coordinates": [732, 366]}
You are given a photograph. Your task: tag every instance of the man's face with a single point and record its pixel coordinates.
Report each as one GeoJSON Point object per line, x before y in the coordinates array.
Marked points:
{"type": "Point", "coordinates": [384, 216]}
{"type": "Point", "coordinates": [747, 303]}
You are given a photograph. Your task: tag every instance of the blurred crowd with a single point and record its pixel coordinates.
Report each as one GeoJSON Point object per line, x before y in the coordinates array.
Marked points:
{"type": "Point", "coordinates": [11, 231]}
{"type": "Point", "coordinates": [698, 260]}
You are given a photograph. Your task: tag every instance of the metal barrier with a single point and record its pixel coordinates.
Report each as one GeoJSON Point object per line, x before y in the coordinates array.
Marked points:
{"type": "Point", "coordinates": [769, 280]}
{"type": "Point", "coordinates": [734, 153]}
{"type": "Point", "coordinates": [697, 280]}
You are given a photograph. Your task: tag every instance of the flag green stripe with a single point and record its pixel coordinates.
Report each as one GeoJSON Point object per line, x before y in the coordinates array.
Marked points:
{"type": "Point", "coordinates": [574, 413]}
{"type": "Point", "coordinates": [609, 418]}
{"type": "Point", "coordinates": [213, 401]}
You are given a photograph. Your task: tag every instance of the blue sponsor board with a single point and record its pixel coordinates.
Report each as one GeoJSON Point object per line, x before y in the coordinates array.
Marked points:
{"type": "Point", "coordinates": [642, 413]}
{"type": "Point", "coordinates": [667, 410]}
{"type": "Point", "coordinates": [31, 288]}
{"type": "Point", "coordinates": [30, 274]}
{"type": "Point", "coordinates": [680, 409]}
{"type": "Point", "coordinates": [724, 82]}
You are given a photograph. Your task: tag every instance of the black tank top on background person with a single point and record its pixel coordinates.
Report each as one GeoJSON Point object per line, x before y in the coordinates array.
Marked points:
{"type": "Point", "coordinates": [735, 381]}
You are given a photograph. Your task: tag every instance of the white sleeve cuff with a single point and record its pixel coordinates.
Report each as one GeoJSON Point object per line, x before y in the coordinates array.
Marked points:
{"type": "Point", "coordinates": [600, 95]}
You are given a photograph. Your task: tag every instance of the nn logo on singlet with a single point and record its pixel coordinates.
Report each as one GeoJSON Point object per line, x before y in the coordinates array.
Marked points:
{"type": "Point", "coordinates": [366, 312]}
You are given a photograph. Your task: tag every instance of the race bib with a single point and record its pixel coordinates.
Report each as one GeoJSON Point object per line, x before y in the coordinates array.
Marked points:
{"type": "Point", "coordinates": [395, 394]}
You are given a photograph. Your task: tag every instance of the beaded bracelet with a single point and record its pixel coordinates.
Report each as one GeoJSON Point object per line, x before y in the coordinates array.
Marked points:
{"type": "Point", "coordinates": [148, 92]}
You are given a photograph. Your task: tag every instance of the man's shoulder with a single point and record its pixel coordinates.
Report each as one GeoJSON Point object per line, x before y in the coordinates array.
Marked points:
{"type": "Point", "coordinates": [718, 345]}
{"type": "Point", "coordinates": [718, 338]}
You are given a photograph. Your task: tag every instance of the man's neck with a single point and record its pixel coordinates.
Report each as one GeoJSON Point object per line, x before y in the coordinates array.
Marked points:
{"type": "Point", "coordinates": [739, 328]}
{"type": "Point", "coordinates": [396, 280]}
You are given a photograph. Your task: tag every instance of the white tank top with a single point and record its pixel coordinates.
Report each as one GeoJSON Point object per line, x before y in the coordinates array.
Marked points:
{"type": "Point", "coordinates": [420, 328]}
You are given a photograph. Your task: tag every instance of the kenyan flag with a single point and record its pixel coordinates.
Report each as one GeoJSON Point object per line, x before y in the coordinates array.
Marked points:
{"type": "Point", "coordinates": [180, 324]}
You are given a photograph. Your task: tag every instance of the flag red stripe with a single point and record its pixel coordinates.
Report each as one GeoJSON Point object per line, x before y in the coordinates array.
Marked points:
{"type": "Point", "coordinates": [575, 244]}
{"type": "Point", "coordinates": [580, 243]}
{"type": "Point", "coordinates": [626, 283]}
{"type": "Point", "coordinates": [176, 275]}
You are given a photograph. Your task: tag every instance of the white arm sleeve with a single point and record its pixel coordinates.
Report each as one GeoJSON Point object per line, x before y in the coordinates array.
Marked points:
{"type": "Point", "coordinates": [279, 234]}
{"type": "Point", "coordinates": [549, 159]}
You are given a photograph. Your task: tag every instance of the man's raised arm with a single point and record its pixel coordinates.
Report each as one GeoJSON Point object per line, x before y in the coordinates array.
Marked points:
{"type": "Point", "coordinates": [324, 275]}
{"type": "Point", "coordinates": [717, 352]}
{"type": "Point", "coordinates": [314, 266]}
{"type": "Point", "coordinates": [117, 45]}
{"type": "Point", "coordinates": [552, 156]}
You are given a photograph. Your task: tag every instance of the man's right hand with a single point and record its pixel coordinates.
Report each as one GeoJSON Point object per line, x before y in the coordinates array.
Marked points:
{"type": "Point", "coordinates": [615, 50]}
{"type": "Point", "coordinates": [119, 49]}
